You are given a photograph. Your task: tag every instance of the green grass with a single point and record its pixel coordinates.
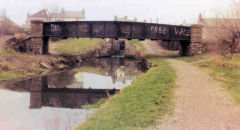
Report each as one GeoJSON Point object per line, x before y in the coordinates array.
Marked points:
{"type": "Point", "coordinates": [191, 58]}
{"type": "Point", "coordinates": [9, 52]}
{"type": "Point", "coordinates": [138, 105]}
{"type": "Point", "coordinates": [5, 72]}
{"type": "Point", "coordinates": [9, 75]}
{"type": "Point", "coordinates": [74, 46]}
{"type": "Point", "coordinates": [10, 71]}
{"type": "Point", "coordinates": [227, 72]}
{"type": "Point", "coordinates": [96, 105]}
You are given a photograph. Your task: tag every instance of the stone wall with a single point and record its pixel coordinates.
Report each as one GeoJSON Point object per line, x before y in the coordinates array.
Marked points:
{"type": "Point", "coordinates": [196, 44]}
{"type": "Point", "coordinates": [35, 43]}
{"type": "Point", "coordinates": [30, 45]}
{"type": "Point", "coordinates": [37, 28]}
{"type": "Point", "coordinates": [35, 46]}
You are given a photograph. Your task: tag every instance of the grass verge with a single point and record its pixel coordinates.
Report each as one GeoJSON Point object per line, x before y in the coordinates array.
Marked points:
{"type": "Point", "coordinates": [191, 58]}
{"type": "Point", "coordinates": [74, 46]}
{"type": "Point", "coordinates": [138, 105]}
{"type": "Point", "coordinates": [96, 105]}
{"type": "Point", "coordinates": [15, 64]}
{"type": "Point", "coordinates": [7, 72]}
{"type": "Point", "coordinates": [9, 75]}
{"type": "Point", "coordinates": [227, 72]}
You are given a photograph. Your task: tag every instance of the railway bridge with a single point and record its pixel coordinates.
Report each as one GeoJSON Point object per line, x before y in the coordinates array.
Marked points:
{"type": "Point", "coordinates": [190, 38]}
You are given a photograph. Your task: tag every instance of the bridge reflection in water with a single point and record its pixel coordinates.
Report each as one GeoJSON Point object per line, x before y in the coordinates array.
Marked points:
{"type": "Point", "coordinates": [86, 84]}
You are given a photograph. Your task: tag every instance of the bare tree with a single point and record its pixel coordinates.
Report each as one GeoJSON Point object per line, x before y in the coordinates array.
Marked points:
{"type": "Point", "coordinates": [225, 29]}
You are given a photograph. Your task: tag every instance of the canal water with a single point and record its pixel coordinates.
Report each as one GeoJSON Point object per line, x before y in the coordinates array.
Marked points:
{"type": "Point", "coordinates": [56, 101]}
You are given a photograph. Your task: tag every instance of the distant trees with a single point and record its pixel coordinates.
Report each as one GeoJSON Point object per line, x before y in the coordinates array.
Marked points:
{"type": "Point", "coordinates": [7, 27]}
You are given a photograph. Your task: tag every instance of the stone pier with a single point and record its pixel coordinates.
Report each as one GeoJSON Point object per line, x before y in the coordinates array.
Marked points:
{"type": "Point", "coordinates": [36, 43]}
{"type": "Point", "coordinates": [196, 44]}
{"type": "Point", "coordinates": [39, 44]}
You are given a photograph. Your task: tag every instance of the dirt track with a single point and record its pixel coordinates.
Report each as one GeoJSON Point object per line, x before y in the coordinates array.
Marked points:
{"type": "Point", "coordinates": [200, 104]}
{"type": "Point", "coordinates": [153, 47]}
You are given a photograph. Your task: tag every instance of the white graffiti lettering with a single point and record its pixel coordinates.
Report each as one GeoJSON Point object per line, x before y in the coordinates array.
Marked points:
{"type": "Point", "coordinates": [159, 30]}
{"type": "Point", "coordinates": [55, 28]}
{"type": "Point", "coordinates": [181, 31]}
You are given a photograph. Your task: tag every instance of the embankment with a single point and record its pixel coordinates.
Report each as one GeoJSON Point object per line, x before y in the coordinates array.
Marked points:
{"type": "Point", "coordinates": [138, 105]}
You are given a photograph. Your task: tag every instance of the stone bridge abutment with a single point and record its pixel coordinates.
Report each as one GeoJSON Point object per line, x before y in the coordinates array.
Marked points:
{"type": "Point", "coordinates": [39, 43]}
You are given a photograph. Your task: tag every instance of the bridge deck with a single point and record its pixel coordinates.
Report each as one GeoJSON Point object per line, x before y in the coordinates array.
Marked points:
{"type": "Point", "coordinates": [116, 29]}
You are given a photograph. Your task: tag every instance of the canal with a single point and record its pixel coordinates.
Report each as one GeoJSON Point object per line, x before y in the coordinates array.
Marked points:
{"type": "Point", "coordinates": [57, 100]}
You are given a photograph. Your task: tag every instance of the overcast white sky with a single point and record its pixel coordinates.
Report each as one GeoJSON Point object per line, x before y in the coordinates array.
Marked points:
{"type": "Point", "coordinates": [168, 11]}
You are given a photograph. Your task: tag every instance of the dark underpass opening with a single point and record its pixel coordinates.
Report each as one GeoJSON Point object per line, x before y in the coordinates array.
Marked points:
{"type": "Point", "coordinates": [184, 48]}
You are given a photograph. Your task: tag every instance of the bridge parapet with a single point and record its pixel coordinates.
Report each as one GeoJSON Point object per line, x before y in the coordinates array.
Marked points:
{"type": "Point", "coordinates": [116, 29]}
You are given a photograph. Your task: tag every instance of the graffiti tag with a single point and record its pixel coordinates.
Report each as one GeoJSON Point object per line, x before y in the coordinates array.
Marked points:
{"type": "Point", "coordinates": [55, 28]}
{"type": "Point", "coordinates": [181, 31]}
{"type": "Point", "coordinates": [159, 29]}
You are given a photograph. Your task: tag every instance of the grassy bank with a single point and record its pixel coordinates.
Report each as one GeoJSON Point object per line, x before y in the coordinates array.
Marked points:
{"type": "Point", "coordinates": [227, 72]}
{"type": "Point", "coordinates": [9, 71]}
{"type": "Point", "coordinates": [15, 64]}
{"type": "Point", "coordinates": [191, 58]}
{"type": "Point", "coordinates": [138, 105]}
{"type": "Point", "coordinates": [74, 46]}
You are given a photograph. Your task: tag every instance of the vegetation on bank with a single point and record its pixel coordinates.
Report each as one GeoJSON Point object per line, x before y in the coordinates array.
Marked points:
{"type": "Point", "coordinates": [138, 105]}
{"type": "Point", "coordinates": [227, 72]}
{"type": "Point", "coordinates": [7, 72]}
{"type": "Point", "coordinates": [15, 64]}
{"type": "Point", "coordinates": [96, 105]}
{"type": "Point", "coordinates": [74, 46]}
{"type": "Point", "coordinates": [191, 58]}
{"type": "Point", "coordinates": [6, 75]}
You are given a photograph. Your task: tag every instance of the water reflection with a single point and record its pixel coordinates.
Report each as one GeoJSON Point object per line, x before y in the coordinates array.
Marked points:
{"type": "Point", "coordinates": [56, 101]}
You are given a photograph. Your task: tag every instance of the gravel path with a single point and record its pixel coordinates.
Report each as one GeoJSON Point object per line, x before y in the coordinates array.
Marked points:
{"type": "Point", "coordinates": [201, 103]}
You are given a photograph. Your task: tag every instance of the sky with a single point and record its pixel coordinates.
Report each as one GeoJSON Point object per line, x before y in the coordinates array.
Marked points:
{"type": "Point", "coordinates": [167, 11]}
